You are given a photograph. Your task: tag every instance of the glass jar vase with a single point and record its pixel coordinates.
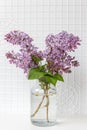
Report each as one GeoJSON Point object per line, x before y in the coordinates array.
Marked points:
{"type": "Point", "coordinates": [43, 105]}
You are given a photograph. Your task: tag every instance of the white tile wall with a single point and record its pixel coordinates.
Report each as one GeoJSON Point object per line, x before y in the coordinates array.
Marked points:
{"type": "Point", "coordinates": [38, 18]}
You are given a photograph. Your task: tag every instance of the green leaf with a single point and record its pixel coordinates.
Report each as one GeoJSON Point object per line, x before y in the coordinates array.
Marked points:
{"type": "Point", "coordinates": [59, 77]}
{"type": "Point", "coordinates": [36, 59]}
{"type": "Point", "coordinates": [48, 79]}
{"type": "Point", "coordinates": [45, 77]}
{"type": "Point", "coordinates": [51, 80]}
{"type": "Point", "coordinates": [35, 73]}
{"type": "Point", "coordinates": [41, 68]}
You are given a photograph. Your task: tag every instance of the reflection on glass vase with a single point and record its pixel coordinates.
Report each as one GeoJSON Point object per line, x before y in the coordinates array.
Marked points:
{"type": "Point", "coordinates": [43, 105]}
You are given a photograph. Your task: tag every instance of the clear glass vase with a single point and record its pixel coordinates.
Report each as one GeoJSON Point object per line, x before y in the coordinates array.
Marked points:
{"type": "Point", "coordinates": [43, 105]}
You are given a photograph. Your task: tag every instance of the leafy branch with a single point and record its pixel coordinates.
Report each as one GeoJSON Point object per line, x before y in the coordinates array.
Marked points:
{"type": "Point", "coordinates": [43, 76]}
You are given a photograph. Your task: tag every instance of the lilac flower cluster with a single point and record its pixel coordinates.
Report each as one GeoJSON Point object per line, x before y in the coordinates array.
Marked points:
{"type": "Point", "coordinates": [24, 58]}
{"type": "Point", "coordinates": [57, 52]}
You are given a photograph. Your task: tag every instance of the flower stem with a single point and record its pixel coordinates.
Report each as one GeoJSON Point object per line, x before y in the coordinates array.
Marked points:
{"type": "Point", "coordinates": [47, 106]}
{"type": "Point", "coordinates": [38, 107]}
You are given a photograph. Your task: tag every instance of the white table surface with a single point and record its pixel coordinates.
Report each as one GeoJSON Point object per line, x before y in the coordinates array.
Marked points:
{"type": "Point", "coordinates": [18, 121]}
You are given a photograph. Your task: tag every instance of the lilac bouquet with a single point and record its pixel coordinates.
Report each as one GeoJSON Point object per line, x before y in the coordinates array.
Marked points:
{"type": "Point", "coordinates": [56, 56]}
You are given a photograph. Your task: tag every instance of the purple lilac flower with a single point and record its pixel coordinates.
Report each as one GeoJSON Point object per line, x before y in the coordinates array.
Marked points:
{"type": "Point", "coordinates": [57, 52]}
{"type": "Point", "coordinates": [23, 59]}
{"type": "Point", "coordinates": [18, 38]}
{"type": "Point", "coordinates": [63, 40]}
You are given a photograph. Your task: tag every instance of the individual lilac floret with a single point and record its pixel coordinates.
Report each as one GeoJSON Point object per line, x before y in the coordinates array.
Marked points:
{"type": "Point", "coordinates": [57, 52]}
